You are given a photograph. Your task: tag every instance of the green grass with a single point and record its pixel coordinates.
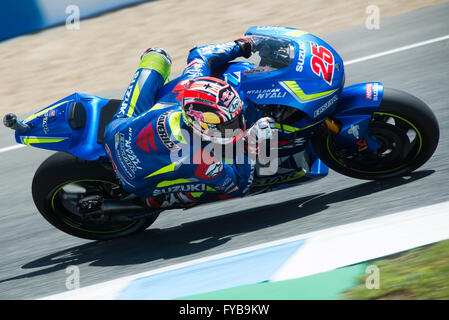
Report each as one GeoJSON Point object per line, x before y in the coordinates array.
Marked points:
{"type": "Point", "coordinates": [421, 274]}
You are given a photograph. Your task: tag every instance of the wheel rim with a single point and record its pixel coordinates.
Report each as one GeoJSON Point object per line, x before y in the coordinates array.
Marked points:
{"type": "Point", "coordinates": [66, 195]}
{"type": "Point", "coordinates": [400, 143]}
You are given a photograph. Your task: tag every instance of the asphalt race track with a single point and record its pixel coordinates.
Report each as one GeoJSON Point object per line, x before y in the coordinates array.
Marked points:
{"type": "Point", "coordinates": [34, 255]}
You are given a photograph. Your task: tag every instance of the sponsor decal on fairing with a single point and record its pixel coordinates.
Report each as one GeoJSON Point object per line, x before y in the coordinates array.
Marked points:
{"type": "Point", "coordinates": [301, 57]}
{"type": "Point", "coordinates": [325, 106]}
{"type": "Point", "coordinates": [267, 93]}
{"type": "Point", "coordinates": [322, 62]}
{"type": "Point", "coordinates": [354, 130]}
{"type": "Point", "coordinates": [372, 91]}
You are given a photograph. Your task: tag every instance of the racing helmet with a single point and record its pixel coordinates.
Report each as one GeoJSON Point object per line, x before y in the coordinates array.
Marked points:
{"type": "Point", "coordinates": [213, 110]}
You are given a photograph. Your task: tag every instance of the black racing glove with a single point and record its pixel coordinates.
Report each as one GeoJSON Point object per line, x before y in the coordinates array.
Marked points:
{"type": "Point", "coordinates": [246, 46]}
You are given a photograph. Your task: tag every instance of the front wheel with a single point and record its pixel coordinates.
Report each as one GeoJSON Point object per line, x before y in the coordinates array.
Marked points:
{"type": "Point", "coordinates": [63, 180]}
{"type": "Point", "coordinates": [408, 134]}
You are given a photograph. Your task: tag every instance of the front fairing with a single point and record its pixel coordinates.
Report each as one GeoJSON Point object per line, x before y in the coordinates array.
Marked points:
{"type": "Point", "coordinates": [288, 81]}
{"type": "Point", "coordinates": [301, 83]}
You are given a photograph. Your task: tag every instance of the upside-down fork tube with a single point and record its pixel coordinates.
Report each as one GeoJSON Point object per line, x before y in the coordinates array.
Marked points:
{"type": "Point", "coordinates": [333, 126]}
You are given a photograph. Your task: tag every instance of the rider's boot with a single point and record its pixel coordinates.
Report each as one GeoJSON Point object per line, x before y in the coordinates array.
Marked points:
{"type": "Point", "coordinates": [153, 72]}
{"type": "Point", "coordinates": [172, 200]}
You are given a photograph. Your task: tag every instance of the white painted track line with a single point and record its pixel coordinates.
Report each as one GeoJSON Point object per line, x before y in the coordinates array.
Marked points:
{"type": "Point", "coordinates": [408, 47]}
{"type": "Point", "coordinates": [367, 240]}
{"type": "Point", "coordinates": [6, 149]}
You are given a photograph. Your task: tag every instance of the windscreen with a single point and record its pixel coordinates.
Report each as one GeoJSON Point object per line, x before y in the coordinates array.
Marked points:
{"type": "Point", "coordinates": [272, 53]}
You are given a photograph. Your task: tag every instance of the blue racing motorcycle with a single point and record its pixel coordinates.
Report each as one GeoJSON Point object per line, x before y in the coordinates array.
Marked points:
{"type": "Point", "coordinates": [363, 131]}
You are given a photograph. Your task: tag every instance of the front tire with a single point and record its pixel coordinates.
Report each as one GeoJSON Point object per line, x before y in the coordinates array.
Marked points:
{"type": "Point", "coordinates": [406, 129]}
{"type": "Point", "coordinates": [62, 176]}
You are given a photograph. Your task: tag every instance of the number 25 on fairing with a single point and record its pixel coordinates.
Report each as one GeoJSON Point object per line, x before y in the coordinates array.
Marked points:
{"type": "Point", "coordinates": [322, 62]}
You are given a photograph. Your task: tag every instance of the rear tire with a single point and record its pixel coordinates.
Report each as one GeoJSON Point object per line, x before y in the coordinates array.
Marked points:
{"type": "Point", "coordinates": [63, 171]}
{"type": "Point", "coordinates": [407, 130]}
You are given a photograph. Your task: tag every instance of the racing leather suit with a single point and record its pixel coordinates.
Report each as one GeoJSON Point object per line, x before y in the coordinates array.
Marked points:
{"type": "Point", "coordinates": [151, 148]}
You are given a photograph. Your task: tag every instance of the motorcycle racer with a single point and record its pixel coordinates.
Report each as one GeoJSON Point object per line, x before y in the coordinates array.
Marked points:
{"type": "Point", "coordinates": [152, 141]}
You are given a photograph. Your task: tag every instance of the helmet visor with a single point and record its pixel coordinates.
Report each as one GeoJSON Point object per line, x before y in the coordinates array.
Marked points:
{"type": "Point", "coordinates": [227, 132]}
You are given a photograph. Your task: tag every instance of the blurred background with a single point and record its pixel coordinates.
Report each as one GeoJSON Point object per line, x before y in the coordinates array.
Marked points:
{"type": "Point", "coordinates": [46, 54]}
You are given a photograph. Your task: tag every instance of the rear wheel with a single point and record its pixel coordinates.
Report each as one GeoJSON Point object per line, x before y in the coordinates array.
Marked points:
{"type": "Point", "coordinates": [406, 130]}
{"type": "Point", "coordinates": [63, 181]}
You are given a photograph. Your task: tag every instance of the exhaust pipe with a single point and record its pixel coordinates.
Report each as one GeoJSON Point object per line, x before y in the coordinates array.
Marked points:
{"type": "Point", "coordinates": [126, 211]}
{"type": "Point", "coordinates": [10, 121]}
{"type": "Point", "coordinates": [111, 207]}
{"type": "Point", "coordinates": [96, 207]}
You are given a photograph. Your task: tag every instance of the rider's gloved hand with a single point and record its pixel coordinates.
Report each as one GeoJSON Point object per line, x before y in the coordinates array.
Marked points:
{"type": "Point", "coordinates": [246, 46]}
{"type": "Point", "coordinates": [260, 134]}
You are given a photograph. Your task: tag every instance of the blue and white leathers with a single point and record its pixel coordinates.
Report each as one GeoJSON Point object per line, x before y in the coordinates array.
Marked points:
{"type": "Point", "coordinates": [152, 149]}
